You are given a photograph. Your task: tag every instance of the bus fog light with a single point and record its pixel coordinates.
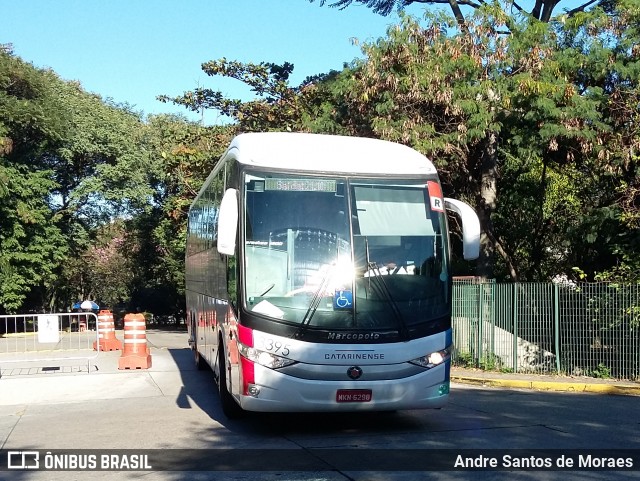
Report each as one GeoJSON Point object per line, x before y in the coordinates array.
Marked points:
{"type": "Point", "coordinates": [253, 390]}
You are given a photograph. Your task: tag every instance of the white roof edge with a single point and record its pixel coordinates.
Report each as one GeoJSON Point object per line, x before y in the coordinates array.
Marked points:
{"type": "Point", "coordinates": [320, 153]}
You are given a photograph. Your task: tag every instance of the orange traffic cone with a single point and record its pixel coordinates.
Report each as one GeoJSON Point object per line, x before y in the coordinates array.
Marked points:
{"type": "Point", "coordinates": [106, 333]}
{"type": "Point", "coordinates": [135, 354]}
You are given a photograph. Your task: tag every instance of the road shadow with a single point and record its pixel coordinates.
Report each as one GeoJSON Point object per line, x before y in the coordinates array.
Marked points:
{"type": "Point", "coordinates": [199, 388]}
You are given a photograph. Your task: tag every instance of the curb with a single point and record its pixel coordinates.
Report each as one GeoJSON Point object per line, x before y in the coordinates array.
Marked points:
{"type": "Point", "coordinates": [583, 387]}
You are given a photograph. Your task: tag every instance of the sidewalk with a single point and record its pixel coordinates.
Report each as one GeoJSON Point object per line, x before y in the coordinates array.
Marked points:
{"type": "Point", "coordinates": [542, 382]}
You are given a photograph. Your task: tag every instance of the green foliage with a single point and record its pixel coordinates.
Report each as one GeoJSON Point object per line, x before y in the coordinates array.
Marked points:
{"type": "Point", "coordinates": [108, 265]}
{"type": "Point", "coordinates": [488, 362]}
{"type": "Point", "coordinates": [72, 167]}
{"type": "Point", "coordinates": [99, 166]}
{"type": "Point", "coordinates": [464, 359]}
{"type": "Point", "coordinates": [492, 362]}
{"type": "Point", "coordinates": [537, 129]}
{"type": "Point", "coordinates": [184, 154]}
{"type": "Point", "coordinates": [601, 372]}
{"type": "Point", "coordinates": [31, 244]}
{"type": "Point", "coordinates": [278, 106]}
{"type": "Point", "coordinates": [69, 162]}
{"type": "Point", "coordinates": [542, 10]}
{"type": "Point", "coordinates": [521, 126]}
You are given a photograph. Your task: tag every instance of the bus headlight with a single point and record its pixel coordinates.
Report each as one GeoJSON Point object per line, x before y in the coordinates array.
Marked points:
{"type": "Point", "coordinates": [433, 359]}
{"type": "Point", "coordinates": [264, 358]}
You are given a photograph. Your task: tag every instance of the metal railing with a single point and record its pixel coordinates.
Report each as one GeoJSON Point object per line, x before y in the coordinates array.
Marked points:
{"type": "Point", "coordinates": [38, 339]}
{"type": "Point", "coordinates": [590, 329]}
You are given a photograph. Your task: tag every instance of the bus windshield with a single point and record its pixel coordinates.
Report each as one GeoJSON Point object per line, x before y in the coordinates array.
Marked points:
{"type": "Point", "coordinates": [334, 253]}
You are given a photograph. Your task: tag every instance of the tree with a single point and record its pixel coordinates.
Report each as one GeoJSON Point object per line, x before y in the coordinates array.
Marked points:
{"type": "Point", "coordinates": [106, 268]}
{"type": "Point", "coordinates": [520, 125]}
{"type": "Point", "coordinates": [277, 106]}
{"type": "Point", "coordinates": [540, 10]}
{"type": "Point", "coordinates": [31, 243]}
{"type": "Point", "coordinates": [69, 163]}
{"type": "Point", "coordinates": [184, 154]}
{"type": "Point", "coordinates": [537, 129]}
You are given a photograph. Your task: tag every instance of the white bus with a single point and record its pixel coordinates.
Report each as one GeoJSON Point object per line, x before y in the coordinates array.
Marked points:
{"type": "Point", "coordinates": [317, 275]}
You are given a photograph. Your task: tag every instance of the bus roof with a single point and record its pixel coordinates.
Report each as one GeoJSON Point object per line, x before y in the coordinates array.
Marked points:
{"type": "Point", "coordinates": [328, 154]}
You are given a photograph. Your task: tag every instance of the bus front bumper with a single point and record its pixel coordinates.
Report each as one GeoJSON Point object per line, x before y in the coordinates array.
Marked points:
{"type": "Point", "coordinates": [277, 392]}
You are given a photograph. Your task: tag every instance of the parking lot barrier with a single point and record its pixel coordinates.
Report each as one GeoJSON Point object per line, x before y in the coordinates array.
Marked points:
{"type": "Point", "coordinates": [107, 340]}
{"type": "Point", "coordinates": [136, 354]}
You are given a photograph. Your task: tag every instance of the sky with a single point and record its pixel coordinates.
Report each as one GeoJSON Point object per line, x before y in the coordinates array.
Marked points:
{"type": "Point", "coordinates": [133, 50]}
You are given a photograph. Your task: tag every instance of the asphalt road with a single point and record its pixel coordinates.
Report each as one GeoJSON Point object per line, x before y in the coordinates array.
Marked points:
{"type": "Point", "coordinates": [174, 408]}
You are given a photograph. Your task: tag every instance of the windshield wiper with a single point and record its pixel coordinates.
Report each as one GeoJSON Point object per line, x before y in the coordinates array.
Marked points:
{"type": "Point", "coordinates": [384, 289]}
{"type": "Point", "coordinates": [318, 294]}
{"type": "Point", "coordinates": [373, 268]}
{"type": "Point", "coordinates": [315, 302]}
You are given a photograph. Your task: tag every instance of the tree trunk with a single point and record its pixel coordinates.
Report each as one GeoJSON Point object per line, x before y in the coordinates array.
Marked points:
{"type": "Point", "coordinates": [487, 204]}
{"type": "Point", "coordinates": [489, 241]}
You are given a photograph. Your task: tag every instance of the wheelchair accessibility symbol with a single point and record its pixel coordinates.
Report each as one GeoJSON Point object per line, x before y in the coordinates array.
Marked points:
{"type": "Point", "coordinates": [342, 299]}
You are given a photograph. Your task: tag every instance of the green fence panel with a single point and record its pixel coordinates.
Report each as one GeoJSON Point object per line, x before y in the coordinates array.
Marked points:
{"type": "Point", "coordinates": [590, 329]}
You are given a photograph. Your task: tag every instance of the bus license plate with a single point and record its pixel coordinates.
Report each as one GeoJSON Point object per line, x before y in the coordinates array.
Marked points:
{"type": "Point", "coordinates": [353, 395]}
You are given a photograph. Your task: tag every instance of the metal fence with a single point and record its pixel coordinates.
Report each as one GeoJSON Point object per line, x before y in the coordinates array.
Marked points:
{"type": "Point", "coordinates": [590, 329]}
{"type": "Point", "coordinates": [47, 339]}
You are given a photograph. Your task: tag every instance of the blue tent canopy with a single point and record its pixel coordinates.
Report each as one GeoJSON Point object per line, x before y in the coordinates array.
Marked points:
{"type": "Point", "coordinates": [86, 305]}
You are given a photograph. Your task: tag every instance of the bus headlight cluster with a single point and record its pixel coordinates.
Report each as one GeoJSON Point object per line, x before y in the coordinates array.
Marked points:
{"type": "Point", "coordinates": [433, 359]}
{"type": "Point", "coordinates": [264, 358]}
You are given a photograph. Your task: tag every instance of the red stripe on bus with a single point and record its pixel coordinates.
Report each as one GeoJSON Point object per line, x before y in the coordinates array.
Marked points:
{"type": "Point", "coordinates": [248, 374]}
{"type": "Point", "coordinates": [245, 335]}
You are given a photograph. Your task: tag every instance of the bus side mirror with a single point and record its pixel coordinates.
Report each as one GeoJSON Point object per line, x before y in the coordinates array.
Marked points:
{"type": "Point", "coordinates": [228, 222]}
{"type": "Point", "coordinates": [470, 227]}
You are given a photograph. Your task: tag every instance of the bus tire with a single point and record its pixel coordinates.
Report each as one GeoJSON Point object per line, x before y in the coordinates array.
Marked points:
{"type": "Point", "coordinates": [201, 365]}
{"type": "Point", "coordinates": [230, 407]}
